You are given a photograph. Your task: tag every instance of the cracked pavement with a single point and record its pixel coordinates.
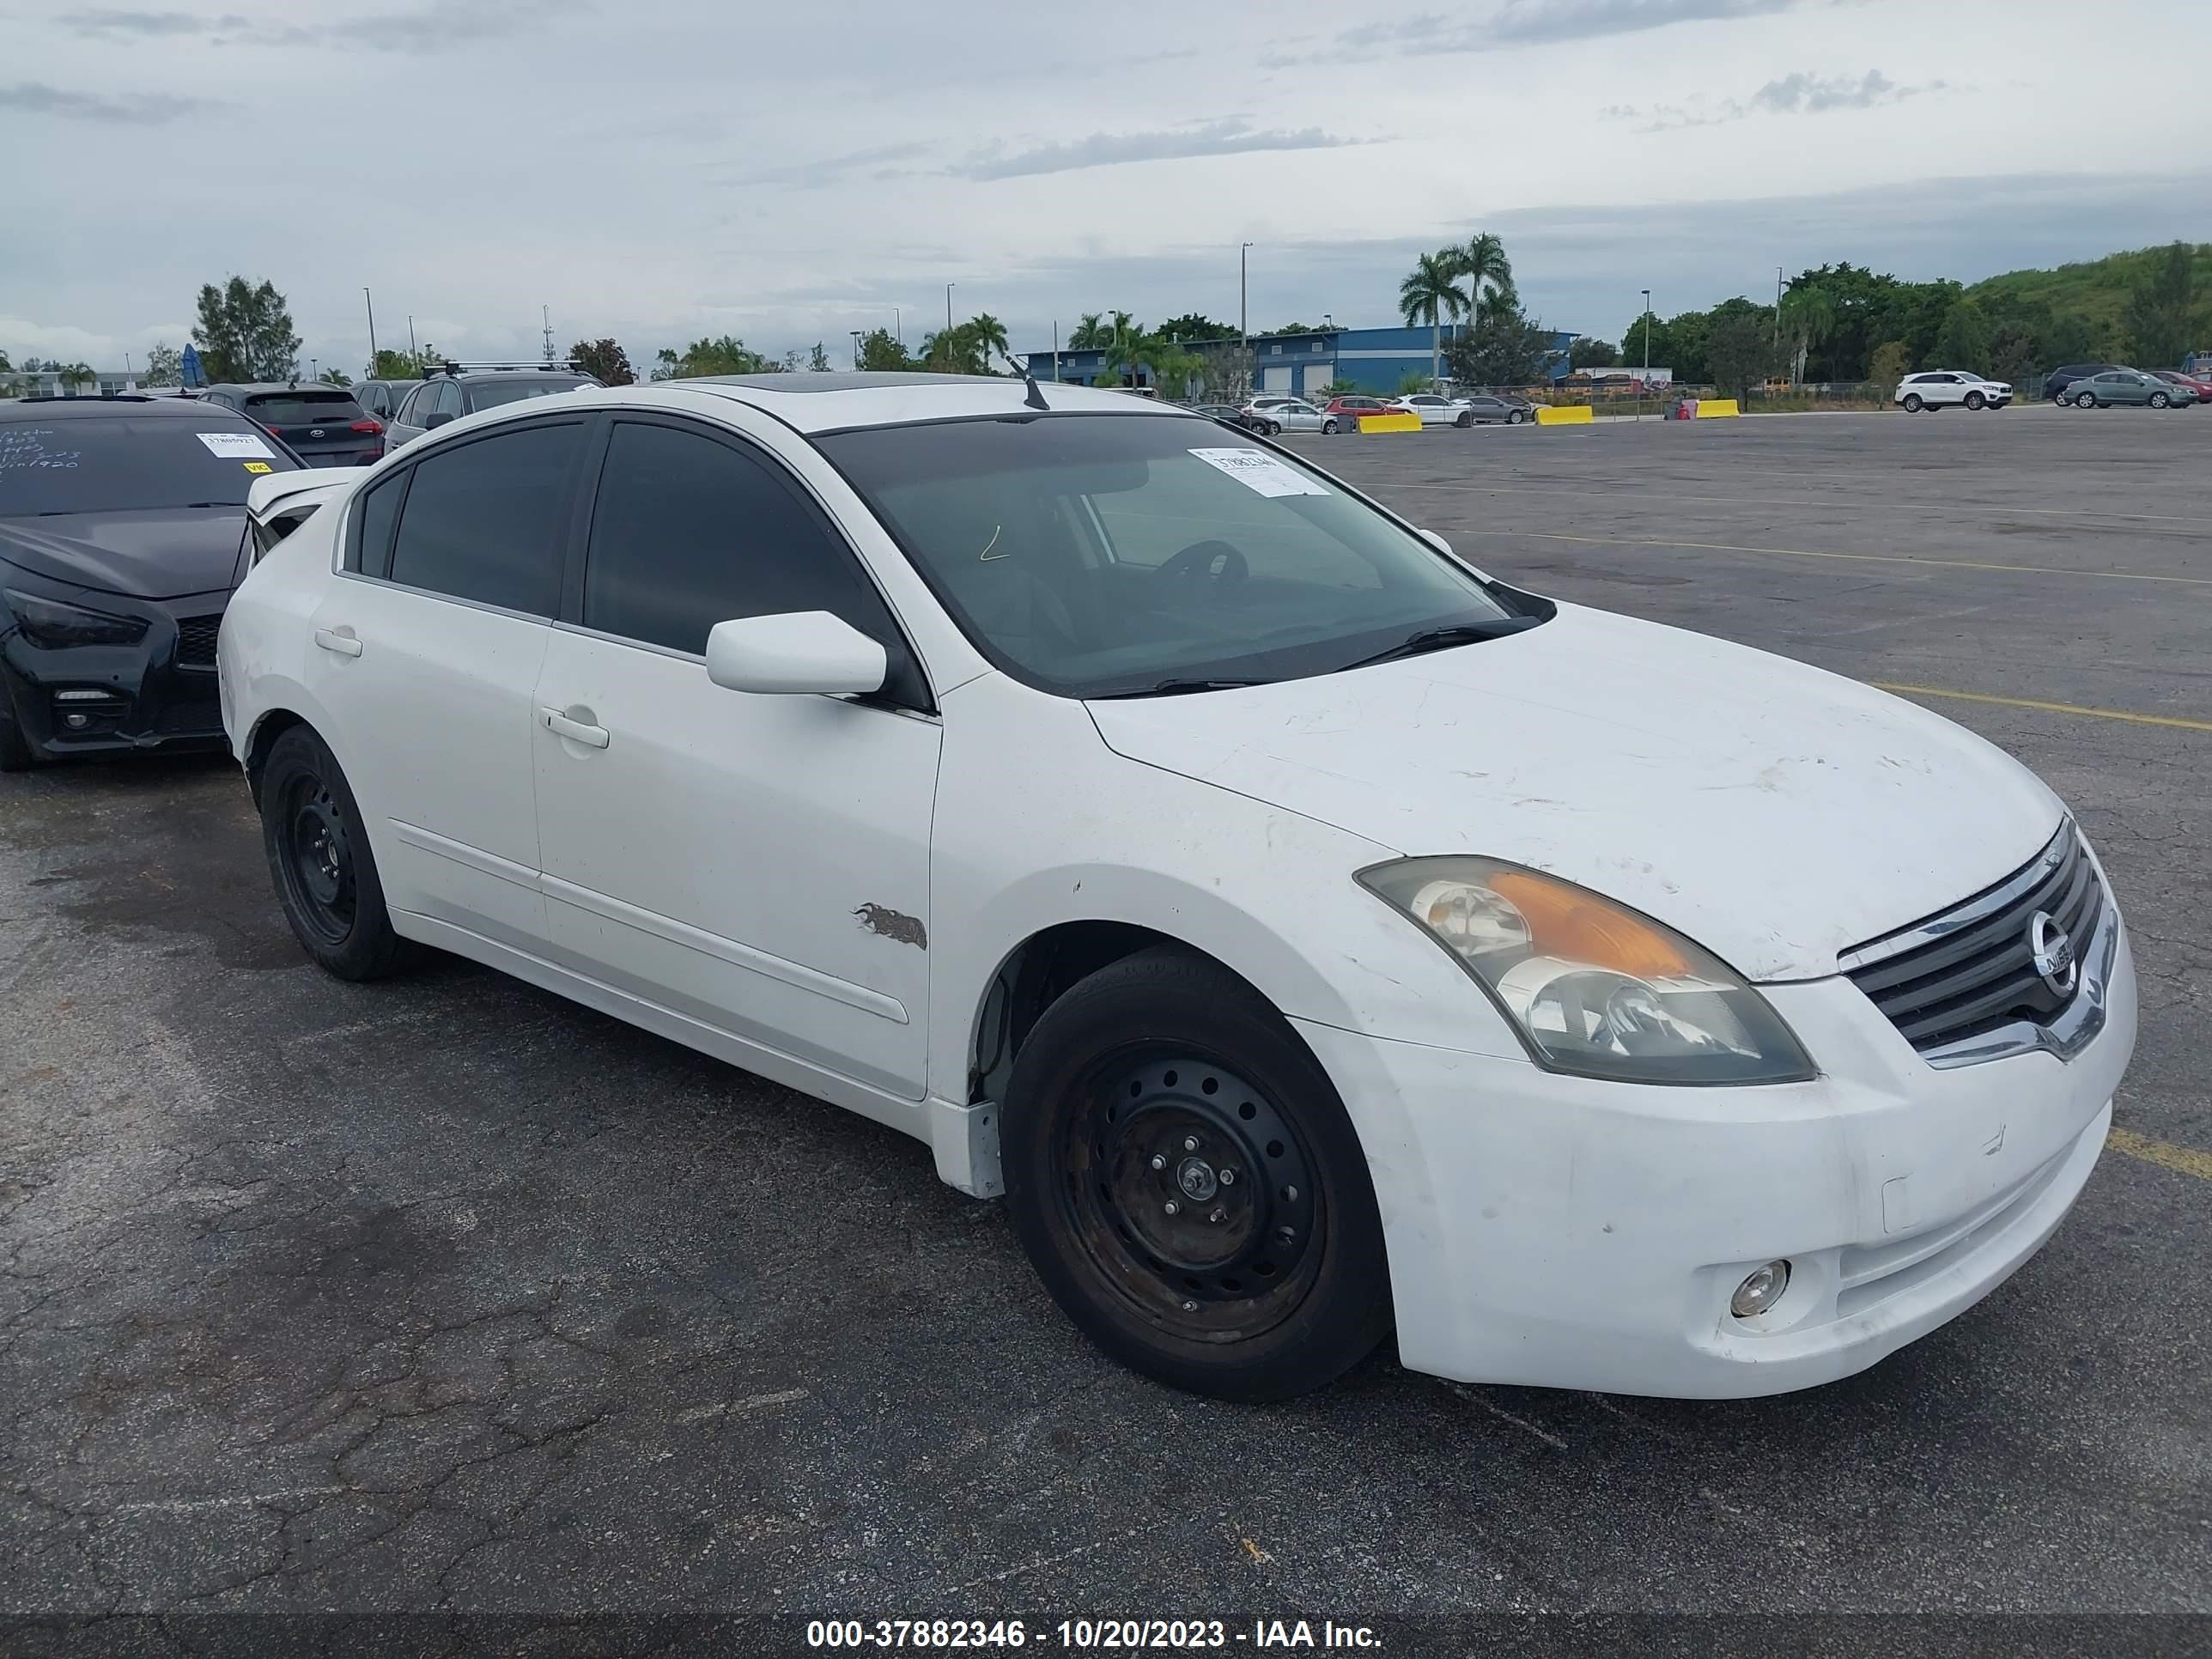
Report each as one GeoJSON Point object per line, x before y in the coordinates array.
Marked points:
{"type": "Point", "coordinates": [445, 1297]}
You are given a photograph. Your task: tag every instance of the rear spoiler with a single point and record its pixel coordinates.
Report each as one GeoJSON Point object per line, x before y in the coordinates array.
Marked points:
{"type": "Point", "coordinates": [276, 492]}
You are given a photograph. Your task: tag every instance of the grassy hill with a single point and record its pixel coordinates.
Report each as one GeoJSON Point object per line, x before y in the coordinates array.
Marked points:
{"type": "Point", "coordinates": [2094, 290]}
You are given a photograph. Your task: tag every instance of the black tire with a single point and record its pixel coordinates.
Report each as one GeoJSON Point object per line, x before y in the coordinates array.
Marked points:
{"type": "Point", "coordinates": [2160, 400]}
{"type": "Point", "coordinates": [2088, 400]}
{"type": "Point", "coordinates": [1275, 430]}
{"type": "Point", "coordinates": [1514, 417]}
{"type": "Point", "coordinates": [319, 858]}
{"type": "Point", "coordinates": [1465, 419]}
{"type": "Point", "coordinates": [1975, 400]}
{"type": "Point", "coordinates": [1912, 404]}
{"type": "Point", "coordinates": [1329, 426]}
{"type": "Point", "coordinates": [15, 753]}
{"type": "Point", "coordinates": [1167, 1052]}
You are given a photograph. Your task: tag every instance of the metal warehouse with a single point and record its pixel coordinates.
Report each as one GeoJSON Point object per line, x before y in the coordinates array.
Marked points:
{"type": "Point", "coordinates": [1372, 359]}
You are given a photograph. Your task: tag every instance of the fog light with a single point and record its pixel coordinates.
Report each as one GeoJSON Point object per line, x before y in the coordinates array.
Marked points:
{"type": "Point", "coordinates": [1761, 1290]}
{"type": "Point", "coordinates": [76, 722]}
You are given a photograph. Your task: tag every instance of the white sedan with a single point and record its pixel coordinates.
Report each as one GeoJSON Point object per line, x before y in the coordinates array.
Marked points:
{"type": "Point", "coordinates": [1290, 414]}
{"type": "Point", "coordinates": [1305, 932]}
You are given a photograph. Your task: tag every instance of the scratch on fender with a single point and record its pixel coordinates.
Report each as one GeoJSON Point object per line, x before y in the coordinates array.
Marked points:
{"type": "Point", "coordinates": [894, 925]}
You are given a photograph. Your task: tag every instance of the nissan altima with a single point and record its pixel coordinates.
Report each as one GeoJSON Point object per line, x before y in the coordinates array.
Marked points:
{"type": "Point", "coordinates": [122, 533]}
{"type": "Point", "coordinates": [1309, 934]}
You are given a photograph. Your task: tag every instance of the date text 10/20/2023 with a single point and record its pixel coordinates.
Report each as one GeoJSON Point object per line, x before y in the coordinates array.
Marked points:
{"type": "Point", "coordinates": [1089, 1634]}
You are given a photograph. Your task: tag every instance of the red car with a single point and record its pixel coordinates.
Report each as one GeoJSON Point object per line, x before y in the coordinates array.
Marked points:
{"type": "Point", "coordinates": [2198, 387]}
{"type": "Point", "coordinates": [1342, 414]}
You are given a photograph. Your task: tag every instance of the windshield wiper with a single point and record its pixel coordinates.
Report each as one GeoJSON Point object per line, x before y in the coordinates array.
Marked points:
{"type": "Point", "coordinates": [1442, 639]}
{"type": "Point", "coordinates": [1175, 688]}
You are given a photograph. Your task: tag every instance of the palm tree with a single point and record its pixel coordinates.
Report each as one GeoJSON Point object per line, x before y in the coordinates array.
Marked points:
{"type": "Point", "coordinates": [1809, 317]}
{"type": "Point", "coordinates": [990, 335]}
{"type": "Point", "coordinates": [1090, 334]}
{"type": "Point", "coordinates": [1129, 349]}
{"type": "Point", "coordinates": [1483, 263]}
{"type": "Point", "coordinates": [1428, 295]}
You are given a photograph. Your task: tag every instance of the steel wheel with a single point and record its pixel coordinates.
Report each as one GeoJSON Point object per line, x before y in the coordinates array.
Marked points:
{"type": "Point", "coordinates": [318, 861]}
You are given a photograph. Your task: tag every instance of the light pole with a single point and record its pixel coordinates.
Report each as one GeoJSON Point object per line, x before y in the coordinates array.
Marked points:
{"type": "Point", "coordinates": [411, 351]}
{"type": "Point", "coordinates": [366, 301]}
{"type": "Point", "coordinates": [1243, 311]}
{"type": "Point", "coordinates": [898, 325]}
{"type": "Point", "coordinates": [1055, 351]}
{"type": "Point", "coordinates": [856, 348]}
{"type": "Point", "coordinates": [1646, 381]}
{"type": "Point", "coordinates": [948, 313]}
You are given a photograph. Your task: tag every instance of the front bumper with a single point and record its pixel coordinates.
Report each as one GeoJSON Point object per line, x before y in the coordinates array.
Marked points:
{"type": "Point", "coordinates": [157, 693]}
{"type": "Point", "coordinates": [1571, 1233]}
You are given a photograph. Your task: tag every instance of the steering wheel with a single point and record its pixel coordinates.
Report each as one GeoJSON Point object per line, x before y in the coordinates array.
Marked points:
{"type": "Point", "coordinates": [1215, 563]}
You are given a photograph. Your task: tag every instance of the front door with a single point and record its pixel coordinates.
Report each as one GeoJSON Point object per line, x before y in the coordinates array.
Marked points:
{"type": "Point", "coordinates": [427, 655]}
{"type": "Point", "coordinates": [760, 864]}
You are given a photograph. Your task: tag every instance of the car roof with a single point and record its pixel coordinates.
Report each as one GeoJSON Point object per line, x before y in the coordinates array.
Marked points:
{"type": "Point", "coordinates": [128, 405]}
{"type": "Point", "coordinates": [840, 400]}
{"type": "Point", "coordinates": [263, 388]}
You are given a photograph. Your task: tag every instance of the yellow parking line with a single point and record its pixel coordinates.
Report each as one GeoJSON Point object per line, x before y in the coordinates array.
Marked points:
{"type": "Point", "coordinates": [2183, 1160]}
{"type": "Point", "coordinates": [1948, 509]}
{"type": "Point", "coordinates": [1858, 558]}
{"type": "Point", "coordinates": [2047, 707]}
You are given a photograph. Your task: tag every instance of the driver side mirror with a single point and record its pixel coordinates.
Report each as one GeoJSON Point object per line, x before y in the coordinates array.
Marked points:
{"type": "Point", "coordinates": [432, 423]}
{"type": "Point", "coordinates": [797, 653]}
{"type": "Point", "coordinates": [1436, 542]}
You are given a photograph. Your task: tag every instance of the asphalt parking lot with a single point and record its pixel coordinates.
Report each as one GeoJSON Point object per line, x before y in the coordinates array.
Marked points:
{"type": "Point", "coordinates": [443, 1296]}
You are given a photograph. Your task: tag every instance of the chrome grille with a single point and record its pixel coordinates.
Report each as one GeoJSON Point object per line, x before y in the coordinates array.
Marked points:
{"type": "Point", "coordinates": [1970, 970]}
{"type": "Point", "coordinates": [196, 637]}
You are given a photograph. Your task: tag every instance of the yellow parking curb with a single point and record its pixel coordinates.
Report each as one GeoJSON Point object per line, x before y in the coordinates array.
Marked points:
{"type": "Point", "coordinates": [1710, 409]}
{"type": "Point", "coordinates": [1564, 415]}
{"type": "Point", "coordinates": [1390, 423]}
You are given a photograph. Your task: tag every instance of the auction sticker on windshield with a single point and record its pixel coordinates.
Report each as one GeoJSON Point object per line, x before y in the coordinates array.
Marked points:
{"type": "Point", "coordinates": [1256, 469]}
{"type": "Point", "coordinates": [242, 446]}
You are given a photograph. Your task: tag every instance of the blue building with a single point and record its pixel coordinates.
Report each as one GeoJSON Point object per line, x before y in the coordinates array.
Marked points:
{"type": "Point", "coordinates": [1374, 360]}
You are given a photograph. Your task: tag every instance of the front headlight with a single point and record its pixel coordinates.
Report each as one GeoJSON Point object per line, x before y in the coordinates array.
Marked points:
{"type": "Point", "coordinates": [1595, 987]}
{"type": "Point", "coordinates": [52, 623]}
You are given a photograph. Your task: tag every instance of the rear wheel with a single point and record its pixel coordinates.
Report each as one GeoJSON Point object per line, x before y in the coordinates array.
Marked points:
{"type": "Point", "coordinates": [319, 858]}
{"type": "Point", "coordinates": [1514, 417]}
{"type": "Point", "coordinates": [1465, 419]}
{"type": "Point", "coordinates": [1912, 404]}
{"type": "Point", "coordinates": [1189, 1186]}
{"type": "Point", "coordinates": [1328, 426]}
{"type": "Point", "coordinates": [2086, 400]}
{"type": "Point", "coordinates": [15, 754]}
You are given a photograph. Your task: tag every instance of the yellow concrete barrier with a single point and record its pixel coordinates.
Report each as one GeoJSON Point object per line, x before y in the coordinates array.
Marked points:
{"type": "Point", "coordinates": [1564, 415]}
{"type": "Point", "coordinates": [1390, 423]}
{"type": "Point", "coordinates": [1713, 408]}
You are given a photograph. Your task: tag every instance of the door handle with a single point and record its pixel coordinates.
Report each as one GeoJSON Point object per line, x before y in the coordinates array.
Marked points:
{"type": "Point", "coordinates": [340, 640]}
{"type": "Point", "coordinates": [560, 725]}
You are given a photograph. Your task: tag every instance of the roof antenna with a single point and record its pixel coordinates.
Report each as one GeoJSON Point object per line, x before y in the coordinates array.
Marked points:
{"type": "Point", "coordinates": [1034, 399]}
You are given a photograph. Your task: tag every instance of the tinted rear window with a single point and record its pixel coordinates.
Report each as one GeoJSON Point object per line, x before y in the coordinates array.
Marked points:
{"type": "Point", "coordinates": [485, 520]}
{"type": "Point", "coordinates": [490, 394]}
{"type": "Point", "coordinates": [303, 408]}
{"type": "Point", "coordinates": [121, 465]}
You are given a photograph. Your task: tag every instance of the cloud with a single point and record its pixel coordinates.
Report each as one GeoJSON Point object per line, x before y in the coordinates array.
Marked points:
{"type": "Point", "coordinates": [36, 98]}
{"type": "Point", "coordinates": [1800, 93]}
{"type": "Point", "coordinates": [1107, 149]}
{"type": "Point", "coordinates": [1527, 23]}
{"type": "Point", "coordinates": [876, 162]}
{"type": "Point", "coordinates": [425, 28]}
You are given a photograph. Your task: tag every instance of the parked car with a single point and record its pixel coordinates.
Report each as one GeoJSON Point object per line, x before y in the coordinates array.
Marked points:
{"type": "Point", "coordinates": [322, 424]}
{"type": "Point", "coordinates": [1945, 388]}
{"type": "Point", "coordinates": [2121, 385]}
{"type": "Point", "coordinates": [1435, 409]}
{"type": "Point", "coordinates": [1250, 419]}
{"type": "Point", "coordinates": [382, 398]}
{"type": "Point", "coordinates": [2055, 382]}
{"type": "Point", "coordinates": [1090, 797]}
{"type": "Point", "coordinates": [1342, 414]}
{"type": "Point", "coordinates": [452, 390]}
{"type": "Point", "coordinates": [1288, 414]}
{"type": "Point", "coordinates": [2188, 389]}
{"type": "Point", "coordinates": [121, 527]}
{"type": "Point", "coordinates": [1488, 408]}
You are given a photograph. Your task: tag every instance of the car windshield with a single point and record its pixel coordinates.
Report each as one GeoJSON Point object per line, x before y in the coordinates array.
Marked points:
{"type": "Point", "coordinates": [121, 465]}
{"type": "Point", "coordinates": [490, 394]}
{"type": "Point", "coordinates": [303, 408]}
{"type": "Point", "coordinates": [1100, 555]}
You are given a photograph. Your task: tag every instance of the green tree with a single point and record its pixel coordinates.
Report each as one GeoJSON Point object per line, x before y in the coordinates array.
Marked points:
{"type": "Point", "coordinates": [1891, 363]}
{"type": "Point", "coordinates": [726, 355]}
{"type": "Point", "coordinates": [1808, 315]}
{"type": "Point", "coordinates": [1503, 347]}
{"type": "Point", "coordinates": [1290, 328]}
{"type": "Point", "coordinates": [1962, 341]}
{"type": "Point", "coordinates": [390, 365]}
{"type": "Point", "coordinates": [2159, 333]}
{"type": "Point", "coordinates": [1430, 294]}
{"type": "Point", "coordinates": [245, 333]}
{"type": "Point", "coordinates": [165, 366]}
{"type": "Point", "coordinates": [1739, 350]}
{"type": "Point", "coordinates": [1339, 388]}
{"type": "Point", "coordinates": [336, 377]}
{"type": "Point", "coordinates": [6, 368]}
{"type": "Point", "coordinates": [1482, 262]}
{"type": "Point", "coordinates": [990, 335]}
{"type": "Point", "coordinates": [1192, 328]}
{"type": "Point", "coordinates": [817, 361]}
{"type": "Point", "coordinates": [605, 360]}
{"type": "Point", "coordinates": [1588, 353]}
{"type": "Point", "coordinates": [78, 374]}
{"type": "Point", "coordinates": [881, 352]}
{"type": "Point", "coordinates": [1090, 334]}
{"type": "Point", "coordinates": [956, 350]}
{"type": "Point", "coordinates": [2012, 353]}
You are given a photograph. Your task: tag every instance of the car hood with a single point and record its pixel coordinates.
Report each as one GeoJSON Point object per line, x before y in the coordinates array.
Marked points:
{"type": "Point", "coordinates": [154, 554]}
{"type": "Point", "coordinates": [1775, 813]}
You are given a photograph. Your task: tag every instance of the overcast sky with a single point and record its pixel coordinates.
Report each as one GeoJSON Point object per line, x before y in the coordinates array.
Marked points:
{"type": "Point", "coordinates": [660, 169]}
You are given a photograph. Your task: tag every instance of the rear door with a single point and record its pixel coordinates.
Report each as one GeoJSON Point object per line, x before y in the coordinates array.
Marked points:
{"type": "Point", "coordinates": [324, 426]}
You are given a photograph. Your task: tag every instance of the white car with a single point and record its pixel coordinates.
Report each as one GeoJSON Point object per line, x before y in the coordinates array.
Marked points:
{"type": "Point", "coordinates": [1942, 388]}
{"type": "Point", "coordinates": [1291, 414]}
{"type": "Point", "coordinates": [1306, 932]}
{"type": "Point", "coordinates": [1437, 411]}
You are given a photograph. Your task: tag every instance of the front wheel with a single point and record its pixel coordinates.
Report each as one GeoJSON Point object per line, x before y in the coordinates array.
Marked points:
{"type": "Point", "coordinates": [1189, 1186]}
{"type": "Point", "coordinates": [319, 858]}
{"type": "Point", "coordinates": [1912, 404]}
{"type": "Point", "coordinates": [1271, 429]}
{"type": "Point", "coordinates": [2160, 400]}
{"type": "Point", "coordinates": [1465, 419]}
{"type": "Point", "coordinates": [1975, 400]}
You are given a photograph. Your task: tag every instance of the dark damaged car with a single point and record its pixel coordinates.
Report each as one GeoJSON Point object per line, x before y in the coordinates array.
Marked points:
{"type": "Point", "coordinates": [122, 536]}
